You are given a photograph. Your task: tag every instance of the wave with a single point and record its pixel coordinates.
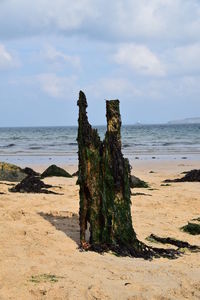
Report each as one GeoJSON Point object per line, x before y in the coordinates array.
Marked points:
{"type": "Point", "coordinates": [60, 144]}
{"type": "Point", "coordinates": [126, 146]}
{"type": "Point", "coordinates": [35, 148]}
{"type": "Point", "coordinates": [178, 143]}
{"type": "Point", "coordinates": [8, 146]}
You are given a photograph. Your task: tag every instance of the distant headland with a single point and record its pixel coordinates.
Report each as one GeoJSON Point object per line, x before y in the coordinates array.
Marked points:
{"type": "Point", "coordinates": [186, 121]}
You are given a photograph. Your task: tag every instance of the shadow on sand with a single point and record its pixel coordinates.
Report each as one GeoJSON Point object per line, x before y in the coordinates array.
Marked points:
{"type": "Point", "coordinates": [64, 221]}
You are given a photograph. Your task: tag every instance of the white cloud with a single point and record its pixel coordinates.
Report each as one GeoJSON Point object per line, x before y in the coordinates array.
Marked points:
{"type": "Point", "coordinates": [59, 58]}
{"type": "Point", "coordinates": [112, 88]}
{"type": "Point", "coordinates": [57, 86]}
{"type": "Point", "coordinates": [123, 20]}
{"type": "Point", "coordinates": [140, 59]}
{"type": "Point", "coordinates": [6, 59]}
{"type": "Point", "coordinates": [43, 16]}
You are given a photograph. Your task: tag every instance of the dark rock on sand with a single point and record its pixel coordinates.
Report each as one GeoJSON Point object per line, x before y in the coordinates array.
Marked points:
{"type": "Point", "coordinates": [75, 174]}
{"type": "Point", "coordinates": [30, 172]}
{"type": "Point", "coordinates": [191, 176]}
{"type": "Point", "coordinates": [31, 184]}
{"type": "Point", "coordinates": [10, 172]}
{"type": "Point", "coordinates": [135, 182]}
{"type": "Point", "coordinates": [191, 228]}
{"type": "Point", "coordinates": [53, 170]}
{"type": "Point", "coordinates": [185, 172]}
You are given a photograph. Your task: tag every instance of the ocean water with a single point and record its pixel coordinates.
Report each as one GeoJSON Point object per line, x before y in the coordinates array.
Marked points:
{"type": "Point", "coordinates": [58, 144]}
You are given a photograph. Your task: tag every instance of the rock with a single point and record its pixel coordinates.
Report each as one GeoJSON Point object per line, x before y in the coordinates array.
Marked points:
{"type": "Point", "coordinates": [191, 176]}
{"type": "Point", "coordinates": [30, 172]}
{"type": "Point", "coordinates": [191, 228]}
{"type": "Point", "coordinates": [185, 172]}
{"type": "Point", "coordinates": [31, 184]}
{"type": "Point", "coordinates": [10, 172]}
{"type": "Point", "coordinates": [75, 174]}
{"type": "Point", "coordinates": [135, 182]}
{"type": "Point", "coordinates": [53, 170]}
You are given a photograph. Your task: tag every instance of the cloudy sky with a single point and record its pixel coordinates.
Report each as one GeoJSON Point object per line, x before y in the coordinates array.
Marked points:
{"type": "Point", "coordinates": [146, 53]}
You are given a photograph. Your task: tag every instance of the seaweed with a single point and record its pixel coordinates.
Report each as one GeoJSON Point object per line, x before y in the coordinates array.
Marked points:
{"type": "Point", "coordinates": [191, 228]}
{"type": "Point", "coordinates": [178, 243]}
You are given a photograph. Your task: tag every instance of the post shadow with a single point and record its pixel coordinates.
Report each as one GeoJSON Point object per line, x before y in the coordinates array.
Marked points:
{"type": "Point", "coordinates": [66, 222]}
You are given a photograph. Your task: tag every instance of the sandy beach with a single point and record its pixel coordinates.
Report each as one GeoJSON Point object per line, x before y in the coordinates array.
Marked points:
{"type": "Point", "coordinates": [39, 255]}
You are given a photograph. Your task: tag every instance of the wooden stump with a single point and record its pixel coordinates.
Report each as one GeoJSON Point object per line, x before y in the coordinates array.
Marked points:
{"type": "Point", "coordinates": [104, 179]}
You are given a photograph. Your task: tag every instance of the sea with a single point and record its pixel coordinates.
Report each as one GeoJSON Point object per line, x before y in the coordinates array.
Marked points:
{"type": "Point", "coordinates": [48, 145]}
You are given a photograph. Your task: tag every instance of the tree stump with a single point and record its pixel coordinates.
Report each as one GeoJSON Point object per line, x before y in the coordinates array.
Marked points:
{"type": "Point", "coordinates": [104, 180]}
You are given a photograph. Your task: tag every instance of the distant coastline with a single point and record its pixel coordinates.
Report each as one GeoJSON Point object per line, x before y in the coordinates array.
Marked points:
{"type": "Point", "coordinates": [186, 121]}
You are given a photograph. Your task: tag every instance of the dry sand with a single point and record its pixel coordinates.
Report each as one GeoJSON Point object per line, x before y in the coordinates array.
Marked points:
{"type": "Point", "coordinates": [39, 235]}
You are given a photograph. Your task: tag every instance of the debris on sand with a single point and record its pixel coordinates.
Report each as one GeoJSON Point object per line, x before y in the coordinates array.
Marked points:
{"type": "Point", "coordinates": [191, 228]}
{"type": "Point", "coordinates": [172, 241]}
{"type": "Point", "coordinates": [54, 170]}
{"type": "Point", "coordinates": [31, 184]}
{"type": "Point", "coordinates": [140, 194]}
{"type": "Point", "coordinates": [191, 176]}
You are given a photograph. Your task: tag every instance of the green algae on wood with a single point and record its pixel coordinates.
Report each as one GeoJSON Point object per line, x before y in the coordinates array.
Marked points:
{"type": "Point", "coordinates": [104, 180]}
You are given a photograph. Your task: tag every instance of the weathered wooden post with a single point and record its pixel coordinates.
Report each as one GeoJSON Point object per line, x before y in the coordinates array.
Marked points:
{"type": "Point", "coordinates": [89, 176]}
{"type": "Point", "coordinates": [118, 229]}
{"type": "Point", "coordinates": [104, 179]}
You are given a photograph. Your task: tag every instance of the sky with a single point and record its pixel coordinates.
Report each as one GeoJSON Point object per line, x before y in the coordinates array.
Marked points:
{"type": "Point", "coordinates": [146, 53]}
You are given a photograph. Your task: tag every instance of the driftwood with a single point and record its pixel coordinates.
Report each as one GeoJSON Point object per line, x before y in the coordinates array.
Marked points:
{"type": "Point", "coordinates": [104, 179]}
